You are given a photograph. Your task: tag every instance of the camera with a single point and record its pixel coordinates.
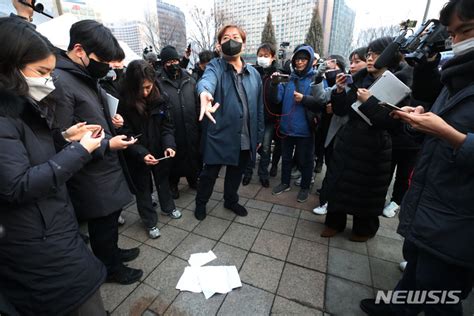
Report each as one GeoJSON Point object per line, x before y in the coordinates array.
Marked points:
{"type": "Point", "coordinates": [281, 78]}
{"type": "Point", "coordinates": [431, 38]}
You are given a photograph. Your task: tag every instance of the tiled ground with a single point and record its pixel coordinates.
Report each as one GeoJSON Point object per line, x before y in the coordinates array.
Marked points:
{"type": "Point", "coordinates": [285, 267]}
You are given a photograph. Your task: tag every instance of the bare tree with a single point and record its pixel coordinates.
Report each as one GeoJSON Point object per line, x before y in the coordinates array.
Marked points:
{"type": "Point", "coordinates": [370, 34]}
{"type": "Point", "coordinates": [202, 35]}
{"type": "Point", "coordinates": [152, 31]}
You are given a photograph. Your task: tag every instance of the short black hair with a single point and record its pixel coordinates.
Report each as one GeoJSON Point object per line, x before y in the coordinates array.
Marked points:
{"type": "Point", "coordinates": [464, 9]}
{"type": "Point", "coordinates": [360, 52]}
{"type": "Point", "coordinates": [268, 47]}
{"type": "Point", "coordinates": [25, 46]}
{"type": "Point", "coordinates": [205, 56]}
{"type": "Point", "coordinates": [95, 38]}
{"type": "Point", "coordinates": [378, 45]}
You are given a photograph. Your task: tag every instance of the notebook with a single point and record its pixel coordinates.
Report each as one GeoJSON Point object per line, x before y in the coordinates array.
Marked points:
{"type": "Point", "coordinates": [388, 88]}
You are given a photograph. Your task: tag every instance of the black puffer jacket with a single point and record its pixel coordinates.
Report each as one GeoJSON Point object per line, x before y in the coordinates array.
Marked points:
{"type": "Point", "coordinates": [100, 188]}
{"type": "Point", "coordinates": [359, 176]}
{"type": "Point", "coordinates": [45, 267]}
{"type": "Point", "coordinates": [156, 129]}
{"type": "Point", "coordinates": [184, 111]}
{"type": "Point", "coordinates": [437, 213]}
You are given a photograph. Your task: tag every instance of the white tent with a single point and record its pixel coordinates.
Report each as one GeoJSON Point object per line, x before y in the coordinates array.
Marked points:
{"type": "Point", "coordinates": [57, 31]}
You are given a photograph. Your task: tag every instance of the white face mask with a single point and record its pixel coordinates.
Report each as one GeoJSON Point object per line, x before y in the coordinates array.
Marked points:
{"type": "Point", "coordinates": [463, 47]}
{"type": "Point", "coordinates": [264, 62]}
{"type": "Point", "coordinates": [39, 87]}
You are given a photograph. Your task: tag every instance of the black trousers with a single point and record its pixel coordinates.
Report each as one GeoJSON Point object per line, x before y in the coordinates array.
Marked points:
{"type": "Point", "coordinates": [361, 226]}
{"type": "Point", "coordinates": [233, 176]}
{"type": "Point", "coordinates": [404, 160]}
{"type": "Point", "coordinates": [425, 271]}
{"type": "Point", "coordinates": [103, 236]}
{"type": "Point", "coordinates": [142, 179]}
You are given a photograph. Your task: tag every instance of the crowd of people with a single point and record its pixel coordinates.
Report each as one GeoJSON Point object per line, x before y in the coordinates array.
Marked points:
{"type": "Point", "coordinates": [81, 134]}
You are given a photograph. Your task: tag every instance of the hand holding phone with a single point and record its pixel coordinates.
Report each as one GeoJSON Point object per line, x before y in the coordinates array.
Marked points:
{"type": "Point", "coordinates": [129, 138]}
{"type": "Point", "coordinates": [390, 106]}
{"type": "Point", "coordinates": [97, 133]}
{"type": "Point", "coordinates": [349, 79]}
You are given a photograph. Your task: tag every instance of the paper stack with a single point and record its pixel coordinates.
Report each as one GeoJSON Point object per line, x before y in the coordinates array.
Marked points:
{"type": "Point", "coordinates": [210, 279]}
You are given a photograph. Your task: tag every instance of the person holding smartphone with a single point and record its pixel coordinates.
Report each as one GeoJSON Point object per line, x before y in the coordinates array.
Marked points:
{"type": "Point", "coordinates": [45, 267]}
{"type": "Point", "coordinates": [146, 113]}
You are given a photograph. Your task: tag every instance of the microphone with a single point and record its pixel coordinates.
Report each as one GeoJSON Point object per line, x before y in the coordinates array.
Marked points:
{"type": "Point", "coordinates": [386, 58]}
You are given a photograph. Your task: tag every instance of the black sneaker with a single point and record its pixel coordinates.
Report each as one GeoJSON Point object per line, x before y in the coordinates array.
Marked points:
{"type": "Point", "coordinates": [125, 276]}
{"type": "Point", "coordinates": [265, 183]}
{"type": "Point", "coordinates": [303, 195]}
{"type": "Point", "coordinates": [370, 308]}
{"type": "Point", "coordinates": [246, 181]}
{"type": "Point", "coordinates": [200, 213]}
{"type": "Point", "coordinates": [237, 209]}
{"type": "Point", "coordinates": [129, 254]}
{"type": "Point", "coordinates": [279, 189]}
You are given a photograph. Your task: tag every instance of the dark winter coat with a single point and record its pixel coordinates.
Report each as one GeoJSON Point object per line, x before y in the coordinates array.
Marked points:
{"type": "Point", "coordinates": [45, 267]}
{"type": "Point", "coordinates": [157, 133]}
{"type": "Point", "coordinates": [184, 110]}
{"type": "Point", "coordinates": [360, 172]}
{"type": "Point", "coordinates": [437, 213]}
{"type": "Point", "coordinates": [221, 141]}
{"type": "Point", "coordinates": [272, 109]}
{"type": "Point", "coordinates": [100, 188]}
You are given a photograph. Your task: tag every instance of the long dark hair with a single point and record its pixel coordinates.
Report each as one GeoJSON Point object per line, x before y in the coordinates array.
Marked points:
{"type": "Point", "coordinates": [21, 45]}
{"type": "Point", "coordinates": [132, 86]}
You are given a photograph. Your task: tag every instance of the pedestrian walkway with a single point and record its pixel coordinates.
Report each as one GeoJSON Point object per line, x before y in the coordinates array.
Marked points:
{"type": "Point", "coordinates": [286, 268]}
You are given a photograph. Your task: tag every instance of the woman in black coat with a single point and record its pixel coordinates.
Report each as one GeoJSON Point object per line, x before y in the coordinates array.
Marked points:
{"type": "Point", "coordinates": [359, 176]}
{"type": "Point", "coordinates": [45, 267]}
{"type": "Point", "coordinates": [147, 118]}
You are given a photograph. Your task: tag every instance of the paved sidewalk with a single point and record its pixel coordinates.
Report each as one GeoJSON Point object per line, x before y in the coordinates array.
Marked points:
{"type": "Point", "coordinates": [286, 268]}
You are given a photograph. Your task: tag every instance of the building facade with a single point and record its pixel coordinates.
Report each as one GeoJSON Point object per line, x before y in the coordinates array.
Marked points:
{"type": "Point", "coordinates": [172, 26]}
{"type": "Point", "coordinates": [132, 33]}
{"type": "Point", "coordinates": [343, 21]}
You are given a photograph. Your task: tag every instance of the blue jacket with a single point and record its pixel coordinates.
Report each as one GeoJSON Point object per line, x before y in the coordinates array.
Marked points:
{"type": "Point", "coordinates": [437, 213]}
{"type": "Point", "coordinates": [294, 120]}
{"type": "Point", "coordinates": [220, 143]}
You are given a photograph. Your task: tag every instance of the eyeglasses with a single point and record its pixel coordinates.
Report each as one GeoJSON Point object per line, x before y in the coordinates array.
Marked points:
{"type": "Point", "coordinates": [52, 78]}
{"type": "Point", "coordinates": [372, 55]}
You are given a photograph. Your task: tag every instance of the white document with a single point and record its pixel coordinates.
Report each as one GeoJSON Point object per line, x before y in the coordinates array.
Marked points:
{"type": "Point", "coordinates": [189, 281]}
{"type": "Point", "coordinates": [219, 279]}
{"type": "Point", "coordinates": [388, 88]}
{"type": "Point", "coordinates": [113, 103]}
{"type": "Point", "coordinates": [200, 259]}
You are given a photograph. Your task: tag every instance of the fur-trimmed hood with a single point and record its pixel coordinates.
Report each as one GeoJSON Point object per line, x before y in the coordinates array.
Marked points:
{"type": "Point", "coordinates": [11, 104]}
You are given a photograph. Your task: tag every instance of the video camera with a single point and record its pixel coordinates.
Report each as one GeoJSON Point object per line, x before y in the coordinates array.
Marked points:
{"type": "Point", "coordinates": [37, 7]}
{"type": "Point", "coordinates": [431, 38]}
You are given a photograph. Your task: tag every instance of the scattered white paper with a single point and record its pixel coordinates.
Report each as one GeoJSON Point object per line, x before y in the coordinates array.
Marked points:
{"type": "Point", "coordinates": [219, 279]}
{"type": "Point", "coordinates": [189, 281]}
{"type": "Point", "coordinates": [200, 259]}
{"type": "Point", "coordinates": [209, 280]}
{"type": "Point", "coordinates": [113, 103]}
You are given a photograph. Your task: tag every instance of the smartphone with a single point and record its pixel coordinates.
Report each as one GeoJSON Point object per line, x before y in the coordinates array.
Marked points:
{"type": "Point", "coordinates": [390, 106]}
{"type": "Point", "coordinates": [97, 133]}
{"type": "Point", "coordinates": [330, 64]}
{"type": "Point", "coordinates": [281, 78]}
{"type": "Point", "coordinates": [349, 79]}
{"type": "Point", "coordinates": [163, 158]}
{"type": "Point", "coordinates": [129, 138]}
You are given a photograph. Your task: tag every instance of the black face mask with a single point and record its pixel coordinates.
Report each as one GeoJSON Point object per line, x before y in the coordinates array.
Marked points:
{"type": "Point", "coordinates": [231, 48]}
{"type": "Point", "coordinates": [97, 69]}
{"type": "Point", "coordinates": [173, 70]}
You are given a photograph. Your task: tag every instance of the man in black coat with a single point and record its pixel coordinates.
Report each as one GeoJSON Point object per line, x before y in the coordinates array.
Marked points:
{"type": "Point", "coordinates": [99, 191]}
{"type": "Point", "coordinates": [181, 90]}
{"type": "Point", "coordinates": [437, 216]}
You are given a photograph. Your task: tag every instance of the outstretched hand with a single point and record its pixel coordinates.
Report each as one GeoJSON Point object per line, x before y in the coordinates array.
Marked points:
{"type": "Point", "coordinates": [207, 108]}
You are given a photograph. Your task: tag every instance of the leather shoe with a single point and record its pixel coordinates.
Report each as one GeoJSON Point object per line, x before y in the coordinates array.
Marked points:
{"type": "Point", "coordinates": [246, 181]}
{"type": "Point", "coordinates": [329, 232]}
{"type": "Point", "coordinates": [129, 254]}
{"type": "Point", "coordinates": [125, 275]}
{"type": "Point", "coordinates": [265, 183]}
{"type": "Point", "coordinates": [368, 306]}
{"type": "Point", "coordinates": [237, 209]}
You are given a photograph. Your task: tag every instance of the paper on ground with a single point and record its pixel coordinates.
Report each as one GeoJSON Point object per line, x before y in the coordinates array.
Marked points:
{"type": "Point", "coordinates": [200, 259]}
{"type": "Point", "coordinates": [189, 281]}
{"type": "Point", "coordinates": [220, 279]}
